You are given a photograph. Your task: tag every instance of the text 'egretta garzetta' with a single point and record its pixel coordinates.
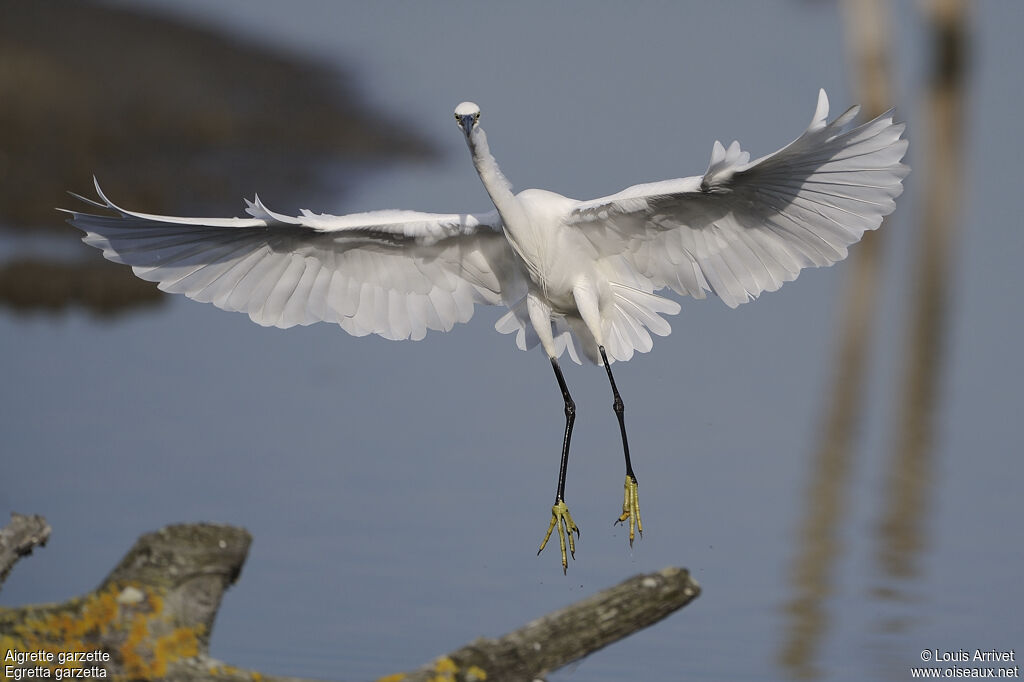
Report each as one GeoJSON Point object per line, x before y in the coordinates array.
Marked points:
{"type": "Point", "coordinates": [576, 276]}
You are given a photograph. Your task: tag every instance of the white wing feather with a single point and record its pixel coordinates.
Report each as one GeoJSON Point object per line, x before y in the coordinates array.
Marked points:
{"type": "Point", "coordinates": [746, 227]}
{"type": "Point", "coordinates": [741, 228]}
{"type": "Point", "coordinates": [392, 273]}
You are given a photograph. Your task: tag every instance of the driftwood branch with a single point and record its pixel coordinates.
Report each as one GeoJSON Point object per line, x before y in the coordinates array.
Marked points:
{"type": "Point", "coordinates": [569, 634]}
{"type": "Point", "coordinates": [151, 617]}
{"type": "Point", "coordinates": [18, 538]}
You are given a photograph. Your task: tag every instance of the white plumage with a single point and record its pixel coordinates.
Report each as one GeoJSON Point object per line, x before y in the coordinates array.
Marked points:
{"type": "Point", "coordinates": [576, 276]}
{"type": "Point", "coordinates": [737, 230]}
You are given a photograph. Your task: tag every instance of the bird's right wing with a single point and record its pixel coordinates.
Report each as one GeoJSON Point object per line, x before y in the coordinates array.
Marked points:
{"type": "Point", "coordinates": [748, 226]}
{"type": "Point", "coordinates": [392, 273]}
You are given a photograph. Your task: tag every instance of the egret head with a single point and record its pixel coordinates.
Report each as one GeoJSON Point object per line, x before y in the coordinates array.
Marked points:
{"type": "Point", "coordinates": [467, 115]}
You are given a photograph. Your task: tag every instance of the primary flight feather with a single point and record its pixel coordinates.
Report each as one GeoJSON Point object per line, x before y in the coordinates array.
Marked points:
{"type": "Point", "coordinates": [576, 276]}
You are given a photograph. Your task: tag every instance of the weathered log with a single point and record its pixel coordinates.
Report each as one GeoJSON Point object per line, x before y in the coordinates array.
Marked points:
{"type": "Point", "coordinates": [151, 618]}
{"type": "Point", "coordinates": [18, 538]}
{"type": "Point", "coordinates": [566, 635]}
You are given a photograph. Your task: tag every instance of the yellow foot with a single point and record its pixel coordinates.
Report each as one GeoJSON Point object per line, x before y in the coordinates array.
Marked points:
{"type": "Point", "coordinates": [631, 509]}
{"type": "Point", "coordinates": [561, 518]}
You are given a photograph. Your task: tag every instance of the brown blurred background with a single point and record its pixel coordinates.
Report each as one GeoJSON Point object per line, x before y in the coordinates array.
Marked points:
{"type": "Point", "coordinates": [169, 116]}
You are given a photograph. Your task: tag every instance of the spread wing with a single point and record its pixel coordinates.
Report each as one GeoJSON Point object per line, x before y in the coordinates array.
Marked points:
{"type": "Point", "coordinates": [748, 226]}
{"type": "Point", "coordinates": [392, 273]}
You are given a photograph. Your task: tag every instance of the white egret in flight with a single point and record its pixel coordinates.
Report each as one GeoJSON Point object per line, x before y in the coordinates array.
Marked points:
{"type": "Point", "coordinates": [576, 276]}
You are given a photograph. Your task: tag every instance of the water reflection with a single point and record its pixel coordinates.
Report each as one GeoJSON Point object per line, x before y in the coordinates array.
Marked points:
{"type": "Point", "coordinates": [866, 27]}
{"type": "Point", "coordinates": [901, 532]}
{"type": "Point", "coordinates": [29, 284]}
{"type": "Point", "coordinates": [172, 117]}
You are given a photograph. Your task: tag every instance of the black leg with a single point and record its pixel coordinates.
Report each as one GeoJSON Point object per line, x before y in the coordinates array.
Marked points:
{"type": "Point", "coordinates": [570, 419]}
{"type": "Point", "coordinates": [620, 412]}
{"type": "Point", "coordinates": [630, 501]}
{"type": "Point", "coordinates": [560, 517]}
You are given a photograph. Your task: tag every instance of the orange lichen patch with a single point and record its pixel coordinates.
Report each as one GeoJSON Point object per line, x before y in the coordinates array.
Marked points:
{"type": "Point", "coordinates": [156, 601]}
{"type": "Point", "coordinates": [76, 628]}
{"type": "Point", "coordinates": [180, 643]}
{"type": "Point", "coordinates": [445, 669]}
{"type": "Point", "coordinates": [397, 677]}
{"type": "Point", "coordinates": [225, 670]}
{"type": "Point", "coordinates": [475, 672]}
{"type": "Point", "coordinates": [104, 610]}
{"type": "Point", "coordinates": [147, 654]}
{"type": "Point", "coordinates": [137, 633]}
{"type": "Point", "coordinates": [8, 643]}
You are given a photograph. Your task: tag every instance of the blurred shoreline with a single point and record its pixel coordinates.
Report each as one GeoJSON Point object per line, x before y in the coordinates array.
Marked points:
{"type": "Point", "coordinates": [173, 118]}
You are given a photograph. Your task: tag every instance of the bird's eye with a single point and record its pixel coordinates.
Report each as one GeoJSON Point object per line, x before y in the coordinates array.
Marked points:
{"type": "Point", "coordinates": [476, 117]}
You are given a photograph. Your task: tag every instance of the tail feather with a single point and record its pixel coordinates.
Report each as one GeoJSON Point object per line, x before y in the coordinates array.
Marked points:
{"type": "Point", "coordinates": [629, 318]}
{"type": "Point", "coordinates": [626, 323]}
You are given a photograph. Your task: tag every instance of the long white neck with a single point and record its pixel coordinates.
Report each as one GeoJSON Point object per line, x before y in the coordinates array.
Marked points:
{"type": "Point", "coordinates": [497, 186]}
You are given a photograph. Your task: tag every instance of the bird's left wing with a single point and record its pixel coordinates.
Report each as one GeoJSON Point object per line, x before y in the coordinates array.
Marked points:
{"type": "Point", "coordinates": [392, 273]}
{"type": "Point", "coordinates": [748, 226]}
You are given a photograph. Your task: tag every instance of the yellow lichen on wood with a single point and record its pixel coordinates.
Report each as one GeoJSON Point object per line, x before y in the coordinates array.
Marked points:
{"type": "Point", "coordinates": [130, 658]}
{"type": "Point", "coordinates": [445, 669]}
{"type": "Point", "coordinates": [77, 628]}
{"type": "Point", "coordinates": [139, 636]}
{"type": "Point", "coordinates": [151, 646]}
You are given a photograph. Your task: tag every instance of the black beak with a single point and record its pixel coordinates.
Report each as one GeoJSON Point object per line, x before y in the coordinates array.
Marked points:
{"type": "Point", "coordinates": [466, 123]}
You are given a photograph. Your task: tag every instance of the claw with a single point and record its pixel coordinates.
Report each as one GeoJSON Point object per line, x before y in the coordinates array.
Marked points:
{"type": "Point", "coordinates": [631, 509]}
{"type": "Point", "coordinates": [561, 518]}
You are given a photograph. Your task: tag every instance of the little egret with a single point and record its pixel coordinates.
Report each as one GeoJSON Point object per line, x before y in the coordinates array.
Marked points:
{"type": "Point", "coordinates": [576, 276]}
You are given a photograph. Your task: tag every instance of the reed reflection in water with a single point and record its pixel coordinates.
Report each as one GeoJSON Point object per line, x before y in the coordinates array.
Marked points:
{"type": "Point", "coordinates": [901, 533]}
